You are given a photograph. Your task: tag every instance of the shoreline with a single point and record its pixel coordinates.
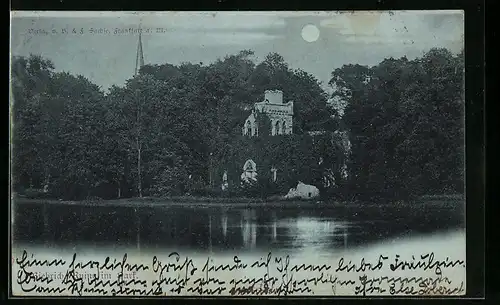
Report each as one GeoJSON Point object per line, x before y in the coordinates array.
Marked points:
{"type": "Point", "coordinates": [239, 202]}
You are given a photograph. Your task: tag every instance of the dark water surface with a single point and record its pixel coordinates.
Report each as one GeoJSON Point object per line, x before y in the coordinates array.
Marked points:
{"type": "Point", "coordinates": [229, 228]}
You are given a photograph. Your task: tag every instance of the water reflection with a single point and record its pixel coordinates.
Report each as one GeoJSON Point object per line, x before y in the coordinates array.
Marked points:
{"type": "Point", "coordinates": [224, 224]}
{"type": "Point", "coordinates": [274, 227]}
{"type": "Point", "coordinates": [219, 229]}
{"type": "Point", "coordinates": [316, 233]}
{"type": "Point", "coordinates": [249, 229]}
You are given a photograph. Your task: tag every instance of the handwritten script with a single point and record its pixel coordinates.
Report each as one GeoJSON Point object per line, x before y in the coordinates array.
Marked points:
{"type": "Point", "coordinates": [175, 274]}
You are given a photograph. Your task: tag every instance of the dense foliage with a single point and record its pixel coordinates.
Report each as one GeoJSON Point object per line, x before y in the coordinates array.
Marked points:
{"type": "Point", "coordinates": [405, 119]}
{"type": "Point", "coordinates": [173, 130]}
{"type": "Point", "coordinates": [294, 157]}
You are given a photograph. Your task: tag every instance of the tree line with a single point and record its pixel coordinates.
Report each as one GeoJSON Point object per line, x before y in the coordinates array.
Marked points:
{"type": "Point", "coordinates": [172, 129]}
{"type": "Point", "coordinates": [406, 124]}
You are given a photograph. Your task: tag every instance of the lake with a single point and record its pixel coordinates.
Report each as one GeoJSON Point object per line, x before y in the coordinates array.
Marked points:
{"type": "Point", "coordinates": [309, 234]}
{"type": "Point", "coordinates": [229, 228]}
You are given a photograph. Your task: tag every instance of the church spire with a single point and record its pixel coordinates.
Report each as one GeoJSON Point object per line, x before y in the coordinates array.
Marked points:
{"type": "Point", "coordinates": [139, 60]}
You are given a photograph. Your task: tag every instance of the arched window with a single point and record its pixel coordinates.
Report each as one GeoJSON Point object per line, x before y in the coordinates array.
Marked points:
{"type": "Point", "coordinates": [283, 130]}
{"type": "Point", "coordinates": [278, 127]}
{"type": "Point", "coordinates": [249, 128]}
{"type": "Point", "coordinates": [249, 165]}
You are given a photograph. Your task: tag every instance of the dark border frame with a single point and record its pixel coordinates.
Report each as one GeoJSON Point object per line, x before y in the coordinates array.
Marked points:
{"type": "Point", "coordinates": [474, 94]}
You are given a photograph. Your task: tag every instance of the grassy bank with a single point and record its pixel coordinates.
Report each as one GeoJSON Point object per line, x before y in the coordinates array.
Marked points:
{"type": "Point", "coordinates": [172, 201]}
{"type": "Point", "coordinates": [442, 200]}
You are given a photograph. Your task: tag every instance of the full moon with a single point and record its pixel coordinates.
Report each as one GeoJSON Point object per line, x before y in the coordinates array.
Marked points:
{"type": "Point", "coordinates": [310, 33]}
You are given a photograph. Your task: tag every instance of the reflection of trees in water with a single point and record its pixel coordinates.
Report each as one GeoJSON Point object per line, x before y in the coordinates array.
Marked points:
{"type": "Point", "coordinates": [275, 227]}
{"type": "Point", "coordinates": [345, 236]}
{"type": "Point", "coordinates": [224, 228]}
{"type": "Point", "coordinates": [224, 224]}
{"type": "Point", "coordinates": [231, 229]}
{"type": "Point", "coordinates": [244, 229]}
{"type": "Point", "coordinates": [156, 227]}
{"type": "Point", "coordinates": [249, 228]}
{"type": "Point", "coordinates": [210, 232]}
{"type": "Point", "coordinates": [137, 219]}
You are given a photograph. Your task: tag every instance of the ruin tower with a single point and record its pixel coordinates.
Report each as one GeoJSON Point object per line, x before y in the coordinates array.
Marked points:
{"type": "Point", "coordinates": [279, 112]}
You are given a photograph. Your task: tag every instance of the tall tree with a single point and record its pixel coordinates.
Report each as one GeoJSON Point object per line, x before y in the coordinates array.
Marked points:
{"type": "Point", "coordinates": [405, 120]}
{"type": "Point", "coordinates": [30, 82]}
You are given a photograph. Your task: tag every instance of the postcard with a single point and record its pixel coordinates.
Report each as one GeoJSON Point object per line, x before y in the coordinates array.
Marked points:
{"type": "Point", "coordinates": [230, 154]}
